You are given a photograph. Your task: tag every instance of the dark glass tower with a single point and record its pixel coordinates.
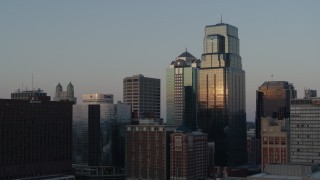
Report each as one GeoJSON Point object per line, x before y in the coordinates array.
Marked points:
{"type": "Point", "coordinates": [221, 90]}
{"type": "Point", "coordinates": [182, 91]}
{"type": "Point", "coordinates": [273, 99]}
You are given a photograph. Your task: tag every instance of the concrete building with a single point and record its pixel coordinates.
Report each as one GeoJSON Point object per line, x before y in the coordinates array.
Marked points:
{"type": "Point", "coordinates": [67, 95]}
{"type": "Point", "coordinates": [143, 94]}
{"type": "Point", "coordinates": [221, 94]}
{"type": "Point", "coordinates": [182, 91]}
{"type": "Point", "coordinates": [274, 141]}
{"type": "Point", "coordinates": [99, 136]}
{"type": "Point", "coordinates": [36, 138]}
{"type": "Point", "coordinates": [305, 131]}
{"type": "Point", "coordinates": [188, 154]}
{"type": "Point", "coordinates": [147, 151]}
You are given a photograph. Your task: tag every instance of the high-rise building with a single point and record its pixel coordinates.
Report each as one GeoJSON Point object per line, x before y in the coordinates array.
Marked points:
{"type": "Point", "coordinates": [274, 141]}
{"type": "Point", "coordinates": [99, 135]}
{"type": "Point", "coordinates": [188, 154]}
{"type": "Point", "coordinates": [148, 150]}
{"type": "Point", "coordinates": [221, 94]}
{"type": "Point", "coordinates": [305, 131]}
{"type": "Point", "coordinates": [67, 95]}
{"type": "Point", "coordinates": [273, 99]}
{"type": "Point", "coordinates": [36, 138]}
{"type": "Point", "coordinates": [182, 91]}
{"type": "Point", "coordinates": [143, 94]}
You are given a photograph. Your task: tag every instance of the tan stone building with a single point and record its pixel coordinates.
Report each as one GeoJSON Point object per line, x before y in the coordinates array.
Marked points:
{"type": "Point", "coordinates": [274, 141]}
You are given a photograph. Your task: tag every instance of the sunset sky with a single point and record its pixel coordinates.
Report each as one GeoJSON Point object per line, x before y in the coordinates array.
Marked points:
{"type": "Point", "coordinates": [95, 44]}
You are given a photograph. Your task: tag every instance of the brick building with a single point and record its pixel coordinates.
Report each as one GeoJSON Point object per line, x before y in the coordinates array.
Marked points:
{"type": "Point", "coordinates": [188, 154]}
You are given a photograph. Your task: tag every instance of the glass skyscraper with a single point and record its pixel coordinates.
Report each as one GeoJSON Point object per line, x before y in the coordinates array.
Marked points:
{"type": "Point", "coordinates": [182, 91]}
{"type": "Point", "coordinates": [221, 94]}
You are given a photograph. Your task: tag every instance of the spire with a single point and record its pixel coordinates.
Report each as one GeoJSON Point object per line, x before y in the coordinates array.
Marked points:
{"type": "Point", "coordinates": [221, 18]}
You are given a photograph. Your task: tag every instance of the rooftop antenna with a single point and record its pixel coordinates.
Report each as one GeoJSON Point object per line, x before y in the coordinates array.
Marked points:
{"type": "Point", "coordinates": [221, 18]}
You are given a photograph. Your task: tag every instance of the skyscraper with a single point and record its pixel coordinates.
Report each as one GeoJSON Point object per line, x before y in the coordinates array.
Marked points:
{"type": "Point", "coordinates": [273, 99]}
{"type": "Point", "coordinates": [143, 94]}
{"type": "Point", "coordinates": [182, 91]}
{"type": "Point", "coordinates": [221, 90]}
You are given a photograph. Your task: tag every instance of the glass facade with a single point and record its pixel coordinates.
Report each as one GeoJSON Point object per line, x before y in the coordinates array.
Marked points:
{"type": "Point", "coordinates": [99, 133]}
{"type": "Point", "coordinates": [273, 99]}
{"type": "Point", "coordinates": [182, 91]}
{"type": "Point", "coordinates": [221, 94]}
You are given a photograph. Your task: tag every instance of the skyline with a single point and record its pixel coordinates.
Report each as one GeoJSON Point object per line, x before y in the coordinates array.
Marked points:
{"type": "Point", "coordinates": [81, 42]}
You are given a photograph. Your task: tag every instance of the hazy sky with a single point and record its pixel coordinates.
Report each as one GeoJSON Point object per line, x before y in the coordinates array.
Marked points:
{"type": "Point", "coordinates": [95, 44]}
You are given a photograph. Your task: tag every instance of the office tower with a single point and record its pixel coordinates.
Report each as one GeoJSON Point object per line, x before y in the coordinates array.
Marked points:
{"type": "Point", "coordinates": [221, 94]}
{"type": "Point", "coordinates": [188, 154]}
{"type": "Point", "coordinates": [309, 93]}
{"type": "Point", "coordinates": [305, 131]}
{"type": "Point", "coordinates": [67, 95]}
{"type": "Point", "coordinates": [143, 94]}
{"type": "Point", "coordinates": [273, 99]}
{"type": "Point", "coordinates": [30, 95]}
{"type": "Point", "coordinates": [274, 141]}
{"type": "Point", "coordinates": [99, 136]}
{"type": "Point", "coordinates": [36, 138]}
{"type": "Point", "coordinates": [182, 91]}
{"type": "Point", "coordinates": [148, 150]}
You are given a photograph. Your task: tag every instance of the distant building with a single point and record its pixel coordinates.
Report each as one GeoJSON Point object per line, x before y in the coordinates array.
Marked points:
{"type": "Point", "coordinates": [182, 75]}
{"type": "Point", "coordinates": [305, 131]}
{"type": "Point", "coordinates": [273, 100]}
{"type": "Point", "coordinates": [310, 93]}
{"type": "Point", "coordinates": [30, 95]}
{"type": "Point", "coordinates": [252, 146]}
{"type": "Point", "coordinates": [148, 151]}
{"type": "Point", "coordinates": [65, 95]}
{"type": "Point", "coordinates": [188, 154]}
{"type": "Point", "coordinates": [143, 94]}
{"type": "Point", "coordinates": [36, 138]}
{"type": "Point", "coordinates": [97, 98]}
{"type": "Point", "coordinates": [99, 136]}
{"type": "Point", "coordinates": [274, 141]}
